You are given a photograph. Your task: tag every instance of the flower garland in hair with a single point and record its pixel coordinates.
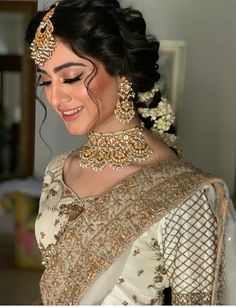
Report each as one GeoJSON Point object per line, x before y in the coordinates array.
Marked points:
{"type": "Point", "coordinates": [162, 116]}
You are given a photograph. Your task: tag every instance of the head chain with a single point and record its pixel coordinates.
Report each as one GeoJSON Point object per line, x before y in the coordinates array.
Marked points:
{"type": "Point", "coordinates": [44, 42]}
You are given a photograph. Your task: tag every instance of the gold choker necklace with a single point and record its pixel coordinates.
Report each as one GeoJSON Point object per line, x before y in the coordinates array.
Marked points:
{"type": "Point", "coordinates": [117, 149]}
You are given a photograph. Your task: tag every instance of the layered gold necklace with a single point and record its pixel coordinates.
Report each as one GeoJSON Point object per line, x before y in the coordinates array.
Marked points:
{"type": "Point", "coordinates": [117, 149]}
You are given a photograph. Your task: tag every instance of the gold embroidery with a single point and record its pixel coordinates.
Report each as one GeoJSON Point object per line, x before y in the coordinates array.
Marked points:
{"type": "Point", "coordinates": [154, 244]}
{"type": "Point", "coordinates": [58, 199]}
{"type": "Point", "coordinates": [160, 270]}
{"type": "Point", "coordinates": [72, 211]}
{"type": "Point", "coordinates": [46, 253]}
{"type": "Point", "coordinates": [196, 298]}
{"type": "Point", "coordinates": [135, 298]}
{"type": "Point", "coordinates": [42, 234]}
{"type": "Point", "coordinates": [136, 252]}
{"type": "Point", "coordinates": [120, 280]}
{"type": "Point", "coordinates": [85, 251]}
{"type": "Point", "coordinates": [221, 279]}
{"type": "Point", "coordinates": [56, 222]}
{"type": "Point", "coordinates": [140, 272]}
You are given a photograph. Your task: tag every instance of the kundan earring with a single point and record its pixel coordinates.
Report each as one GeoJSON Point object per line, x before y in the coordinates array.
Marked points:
{"type": "Point", "coordinates": [124, 110]}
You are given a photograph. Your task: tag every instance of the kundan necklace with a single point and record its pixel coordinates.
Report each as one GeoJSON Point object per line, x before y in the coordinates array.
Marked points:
{"type": "Point", "coordinates": [117, 149]}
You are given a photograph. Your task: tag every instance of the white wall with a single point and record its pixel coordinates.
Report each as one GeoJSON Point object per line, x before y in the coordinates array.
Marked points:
{"type": "Point", "coordinates": [207, 128]}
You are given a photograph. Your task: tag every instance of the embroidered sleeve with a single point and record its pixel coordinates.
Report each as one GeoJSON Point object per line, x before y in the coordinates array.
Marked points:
{"type": "Point", "coordinates": [189, 249]}
{"type": "Point", "coordinates": [143, 277]}
{"type": "Point", "coordinates": [177, 251]}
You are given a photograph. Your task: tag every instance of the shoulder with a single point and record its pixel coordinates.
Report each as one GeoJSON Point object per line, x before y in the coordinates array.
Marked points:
{"type": "Point", "coordinates": [197, 212]}
{"type": "Point", "coordinates": [53, 174]}
{"type": "Point", "coordinates": [161, 151]}
{"type": "Point", "coordinates": [177, 181]}
{"type": "Point", "coordinates": [183, 172]}
{"type": "Point", "coordinates": [201, 200]}
{"type": "Point", "coordinates": [57, 162]}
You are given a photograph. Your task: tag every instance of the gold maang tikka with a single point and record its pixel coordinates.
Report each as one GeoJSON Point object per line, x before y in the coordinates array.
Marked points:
{"type": "Point", "coordinates": [44, 42]}
{"type": "Point", "coordinates": [124, 110]}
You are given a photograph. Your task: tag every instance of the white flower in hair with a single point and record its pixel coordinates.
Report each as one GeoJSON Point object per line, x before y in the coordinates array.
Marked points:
{"type": "Point", "coordinates": [148, 96]}
{"type": "Point", "coordinates": [162, 116]}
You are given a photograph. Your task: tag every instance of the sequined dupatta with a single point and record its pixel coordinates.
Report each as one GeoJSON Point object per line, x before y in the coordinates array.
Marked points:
{"type": "Point", "coordinates": [100, 234]}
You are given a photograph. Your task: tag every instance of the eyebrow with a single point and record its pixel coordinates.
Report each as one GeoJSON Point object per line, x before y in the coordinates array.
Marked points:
{"type": "Point", "coordinates": [61, 67]}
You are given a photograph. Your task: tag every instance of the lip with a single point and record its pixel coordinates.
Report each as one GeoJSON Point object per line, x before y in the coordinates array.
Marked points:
{"type": "Point", "coordinates": [71, 114]}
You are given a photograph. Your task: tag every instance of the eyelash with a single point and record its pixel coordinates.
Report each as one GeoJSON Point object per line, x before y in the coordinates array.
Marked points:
{"type": "Point", "coordinates": [72, 80]}
{"type": "Point", "coordinates": [65, 81]}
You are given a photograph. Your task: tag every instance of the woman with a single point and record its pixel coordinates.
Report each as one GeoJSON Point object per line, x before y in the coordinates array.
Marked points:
{"type": "Point", "coordinates": [122, 220]}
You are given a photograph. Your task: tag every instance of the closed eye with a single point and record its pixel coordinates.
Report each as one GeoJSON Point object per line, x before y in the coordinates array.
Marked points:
{"type": "Point", "coordinates": [72, 80]}
{"type": "Point", "coordinates": [45, 83]}
{"type": "Point", "coordinates": [65, 81]}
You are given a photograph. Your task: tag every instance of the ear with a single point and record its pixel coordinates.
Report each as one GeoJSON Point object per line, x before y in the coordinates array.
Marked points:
{"type": "Point", "coordinates": [122, 79]}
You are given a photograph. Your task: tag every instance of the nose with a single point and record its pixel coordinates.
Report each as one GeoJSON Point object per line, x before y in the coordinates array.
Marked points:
{"type": "Point", "coordinates": [58, 96]}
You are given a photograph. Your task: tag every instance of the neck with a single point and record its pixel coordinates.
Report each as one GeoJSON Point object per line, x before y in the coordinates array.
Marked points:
{"type": "Point", "coordinates": [114, 125]}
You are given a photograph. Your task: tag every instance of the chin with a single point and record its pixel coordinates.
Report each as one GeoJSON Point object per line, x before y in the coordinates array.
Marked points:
{"type": "Point", "coordinates": [81, 127]}
{"type": "Point", "coordinates": [76, 131]}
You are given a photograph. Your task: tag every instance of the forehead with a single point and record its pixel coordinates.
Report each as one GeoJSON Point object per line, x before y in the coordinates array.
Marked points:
{"type": "Point", "coordinates": [63, 54]}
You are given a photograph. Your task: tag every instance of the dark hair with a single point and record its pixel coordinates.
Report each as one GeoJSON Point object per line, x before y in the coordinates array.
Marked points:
{"type": "Point", "coordinates": [114, 36]}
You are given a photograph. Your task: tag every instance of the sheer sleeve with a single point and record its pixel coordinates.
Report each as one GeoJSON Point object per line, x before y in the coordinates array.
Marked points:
{"type": "Point", "coordinates": [179, 252]}
{"type": "Point", "coordinates": [188, 246]}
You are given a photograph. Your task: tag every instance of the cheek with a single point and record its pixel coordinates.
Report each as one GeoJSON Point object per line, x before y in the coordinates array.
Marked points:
{"type": "Point", "coordinates": [80, 92]}
{"type": "Point", "coordinates": [105, 89]}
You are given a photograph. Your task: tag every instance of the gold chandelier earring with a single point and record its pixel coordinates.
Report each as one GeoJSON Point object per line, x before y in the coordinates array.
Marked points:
{"type": "Point", "coordinates": [124, 110]}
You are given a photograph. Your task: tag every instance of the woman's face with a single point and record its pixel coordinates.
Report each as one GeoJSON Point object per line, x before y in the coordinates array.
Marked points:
{"type": "Point", "coordinates": [64, 77]}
